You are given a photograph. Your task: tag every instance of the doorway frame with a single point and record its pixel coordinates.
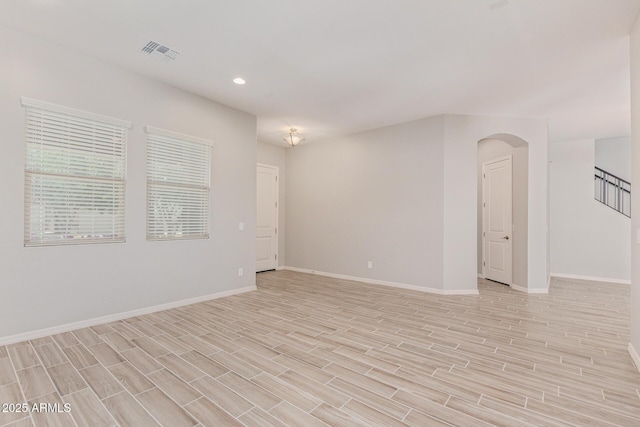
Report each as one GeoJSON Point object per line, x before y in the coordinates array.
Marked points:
{"type": "Point", "coordinates": [529, 209]}
{"type": "Point", "coordinates": [484, 231]}
{"type": "Point", "coordinates": [277, 219]}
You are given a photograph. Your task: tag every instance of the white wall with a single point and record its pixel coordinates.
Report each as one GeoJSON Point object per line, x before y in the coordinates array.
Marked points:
{"type": "Point", "coordinates": [587, 238]}
{"type": "Point", "coordinates": [405, 198]}
{"type": "Point", "coordinates": [273, 155]}
{"type": "Point", "coordinates": [635, 195]}
{"type": "Point", "coordinates": [462, 134]}
{"type": "Point", "coordinates": [614, 156]}
{"type": "Point", "coordinates": [45, 287]}
{"type": "Point", "coordinates": [489, 149]}
{"type": "Point", "coordinates": [373, 196]}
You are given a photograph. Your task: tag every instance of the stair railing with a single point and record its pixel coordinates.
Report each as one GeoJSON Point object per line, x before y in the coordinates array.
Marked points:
{"type": "Point", "coordinates": [613, 191]}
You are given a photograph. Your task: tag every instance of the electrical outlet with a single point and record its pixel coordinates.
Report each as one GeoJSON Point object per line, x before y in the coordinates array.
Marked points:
{"type": "Point", "coordinates": [370, 264]}
{"type": "Point", "coordinates": [241, 226]}
{"type": "Point", "coordinates": [241, 271]}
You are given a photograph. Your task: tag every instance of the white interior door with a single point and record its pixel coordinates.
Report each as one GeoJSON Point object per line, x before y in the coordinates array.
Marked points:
{"type": "Point", "coordinates": [497, 219]}
{"type": "Point", "coordinates": [267, 218]}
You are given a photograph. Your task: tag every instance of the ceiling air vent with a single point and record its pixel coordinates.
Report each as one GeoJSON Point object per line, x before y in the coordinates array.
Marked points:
{"type": "Point", "coordinates": [158, 51]}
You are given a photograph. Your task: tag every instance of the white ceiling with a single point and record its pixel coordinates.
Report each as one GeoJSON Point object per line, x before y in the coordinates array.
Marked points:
{"type": "Point", "coordinates": [332, 67]}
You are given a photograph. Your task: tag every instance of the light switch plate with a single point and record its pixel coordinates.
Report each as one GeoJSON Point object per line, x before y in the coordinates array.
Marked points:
{"type": "Point", "coordinates": [241, 226]}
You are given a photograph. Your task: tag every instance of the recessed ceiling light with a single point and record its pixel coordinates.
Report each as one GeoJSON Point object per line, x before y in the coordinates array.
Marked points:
{"type": "Point", "coordinates": [239, 81]}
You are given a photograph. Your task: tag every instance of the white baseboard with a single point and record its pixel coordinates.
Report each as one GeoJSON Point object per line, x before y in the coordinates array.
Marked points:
{"type": "Point", "coordinates": [525, 290]}
{"type": "Point", "coordinates": [280, 267]}
{"type": "Point", "coordinates": [634, 356]}
{"type": "Point", "coordinates": [460, 292]}
{"type": "Point", "coordinates": [591, 278]}
{"type": "Point", "coordinates": [385, 283]}
{"type": "Point", "coordinates": [537, 291]}
{"type": "Point", "coordinates": [518, 288]}
{"type": "Point", "coordinates": [529, 291]}
{"type": "Point", "coordinates": [480, 275]}
{"type": "Point", "coordinates": [11, 339]}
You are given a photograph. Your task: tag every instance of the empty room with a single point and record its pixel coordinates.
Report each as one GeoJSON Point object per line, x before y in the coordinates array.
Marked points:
{"type": "Point", "coordinates": [319, 213]}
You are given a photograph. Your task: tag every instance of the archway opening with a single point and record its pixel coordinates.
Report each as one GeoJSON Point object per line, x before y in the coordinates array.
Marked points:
{"type": "Point", "coordinates": [494, 147]}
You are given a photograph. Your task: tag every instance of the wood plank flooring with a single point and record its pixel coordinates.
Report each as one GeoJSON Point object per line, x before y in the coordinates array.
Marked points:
{"type": "Point", "coordinates": [306, 350]}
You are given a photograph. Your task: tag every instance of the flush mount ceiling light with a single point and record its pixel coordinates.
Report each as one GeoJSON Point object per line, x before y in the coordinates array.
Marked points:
{"type": "Point", "coordinates": [293, 138]}
{"type": "Point", "coordinates": [239, 81]}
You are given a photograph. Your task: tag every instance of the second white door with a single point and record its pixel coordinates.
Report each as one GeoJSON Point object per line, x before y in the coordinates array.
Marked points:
{"type": "Point", "coordinates": [267, 218]}
{"type": "Point", "coordinates": [497, 220]}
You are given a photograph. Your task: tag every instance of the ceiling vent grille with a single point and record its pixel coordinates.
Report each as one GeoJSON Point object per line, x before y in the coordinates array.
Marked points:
{"type": "Point", "coordinates": [158, 51]}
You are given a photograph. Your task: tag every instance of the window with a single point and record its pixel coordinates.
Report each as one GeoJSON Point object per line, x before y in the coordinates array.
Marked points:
{"type": "Point", "coordinates": [75, 172]}
{"type": "Point", "coordinates": [178, 176]}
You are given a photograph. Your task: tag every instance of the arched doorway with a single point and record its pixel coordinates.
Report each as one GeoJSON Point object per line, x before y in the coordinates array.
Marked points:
{"type": "Point", "coordinates": [495, 149]}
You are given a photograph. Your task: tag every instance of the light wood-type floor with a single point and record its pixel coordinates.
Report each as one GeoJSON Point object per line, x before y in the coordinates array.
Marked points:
{"type": "Point", "coordinates": [307, 350]}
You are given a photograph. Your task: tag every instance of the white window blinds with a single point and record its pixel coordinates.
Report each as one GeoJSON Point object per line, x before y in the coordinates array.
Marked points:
{"type": "Point", "coordinates": [75, 173]}
{"type": "Point", "coordinates": [178, 182]}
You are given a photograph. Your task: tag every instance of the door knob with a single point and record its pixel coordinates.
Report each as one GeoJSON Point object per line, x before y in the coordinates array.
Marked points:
{"type": "Point", "coordinates": [506, 237]}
